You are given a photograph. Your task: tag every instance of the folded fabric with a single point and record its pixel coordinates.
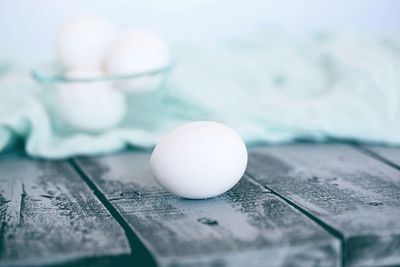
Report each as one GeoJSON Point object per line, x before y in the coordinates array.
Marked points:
{"type": "Point", "coordinates": [273, 87]}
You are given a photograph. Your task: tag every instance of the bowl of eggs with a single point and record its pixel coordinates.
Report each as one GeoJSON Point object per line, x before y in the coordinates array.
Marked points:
{"type": "Point", "coordinates": [99, 72]}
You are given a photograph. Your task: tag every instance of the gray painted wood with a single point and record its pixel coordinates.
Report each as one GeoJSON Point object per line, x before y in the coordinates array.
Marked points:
{"type": "Point", "coordinates": [248, 226]}
{"type": "Point", "coordinates": [353, 194]}
{"type": "Point", "coordinates": [49, 216]}
{"type": "Point", "coordinates": [391, 154]}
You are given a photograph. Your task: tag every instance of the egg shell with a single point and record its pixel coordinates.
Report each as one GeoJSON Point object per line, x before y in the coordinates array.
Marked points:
{"type": "Point", "coordinates": [82, 42]}
{"type": "Point", "coordinates": [136, 52]}
{"type": "Point", "coordinates": [199, 160]}
{"type": "Point", "coordinates": [89, 106]}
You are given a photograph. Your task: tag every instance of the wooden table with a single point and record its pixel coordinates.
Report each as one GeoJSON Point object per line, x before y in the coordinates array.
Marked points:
{"type": "Point", "coordinates": [297, 205]}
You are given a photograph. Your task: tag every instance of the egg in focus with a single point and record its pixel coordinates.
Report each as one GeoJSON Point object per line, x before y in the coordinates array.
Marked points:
{"type": "Point", "coordinates": [199, 160]}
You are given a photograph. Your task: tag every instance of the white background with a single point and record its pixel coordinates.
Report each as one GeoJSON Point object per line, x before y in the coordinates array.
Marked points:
{"type": "Point", "coordinates": [27, 26]}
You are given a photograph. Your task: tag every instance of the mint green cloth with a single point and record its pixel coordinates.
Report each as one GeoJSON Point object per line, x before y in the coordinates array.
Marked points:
{"type": "Point", "coordinates": [274, 87]}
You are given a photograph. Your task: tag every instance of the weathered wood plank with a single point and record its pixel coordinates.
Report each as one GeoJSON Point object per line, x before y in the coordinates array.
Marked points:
{"type": "Point", "coordinates": [248, 226]}
{"type": "Point", "coordinates": [350, 192]}
{"type": "Point", "coordinates": [49, 216]}
{"type": "Point", "coordinates": [391, 154]}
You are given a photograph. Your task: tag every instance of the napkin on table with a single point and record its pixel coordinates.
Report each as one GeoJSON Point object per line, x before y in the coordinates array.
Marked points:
{"type": "Point", "coordinates": [274, 87]}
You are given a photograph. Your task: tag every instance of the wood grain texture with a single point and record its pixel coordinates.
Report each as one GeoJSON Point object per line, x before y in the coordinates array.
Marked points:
{"type": "Point", "coordinates": [247, 226]}
{"type": "Point", "coordinates": [391, 154]}
{"type": "Point", "coordinates": [349, 191]}
{"type": "Point", "coordinates": [49, 216]}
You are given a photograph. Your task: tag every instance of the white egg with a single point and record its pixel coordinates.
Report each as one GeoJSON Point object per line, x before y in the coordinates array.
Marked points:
{"type": "Point", "coordinates": [82, 42]}
{"type": "Point", "coordinates": [137, 52]}
{"type": "Point", "coordinates": [199, 160]}
{"type": "Point", "coordinates": [89, 106]}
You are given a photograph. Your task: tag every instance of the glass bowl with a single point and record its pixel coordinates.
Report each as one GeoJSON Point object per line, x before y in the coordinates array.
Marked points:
{"type": "Point", "coordinates": [95, 104]}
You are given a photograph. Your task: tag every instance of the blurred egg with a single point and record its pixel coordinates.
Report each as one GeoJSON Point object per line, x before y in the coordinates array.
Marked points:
{"type": "Point", "coordinates": [199, 160]}
{"type": "Point", "coordinates": [138, 52]}
{"type": "Point", "coordinates": [83, 41]}
{"type": "Point", "coordinates": [89, 106]}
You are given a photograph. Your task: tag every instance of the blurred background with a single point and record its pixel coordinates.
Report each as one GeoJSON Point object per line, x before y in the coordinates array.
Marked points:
{"type": "Point", "coordinates": [27, 27]}
{"type": "Point", "coordinates": [309, 69]}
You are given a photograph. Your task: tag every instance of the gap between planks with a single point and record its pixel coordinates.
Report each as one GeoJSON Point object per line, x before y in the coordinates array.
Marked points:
{"type": "Point", "coordinates": [393, 172]}
{"type": "Point", "coordinates": [142, 252]}
{"type": "Point", "coordinates": [376, 156]}
{"type": "Point", "coordinates": [49, 216]}
{"type": "Point", "coordinates": [331, 230]}
{"type": "Point", "coordinates": [243, 206]}
{"type": "Point", "coordinates": [139, 253]}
